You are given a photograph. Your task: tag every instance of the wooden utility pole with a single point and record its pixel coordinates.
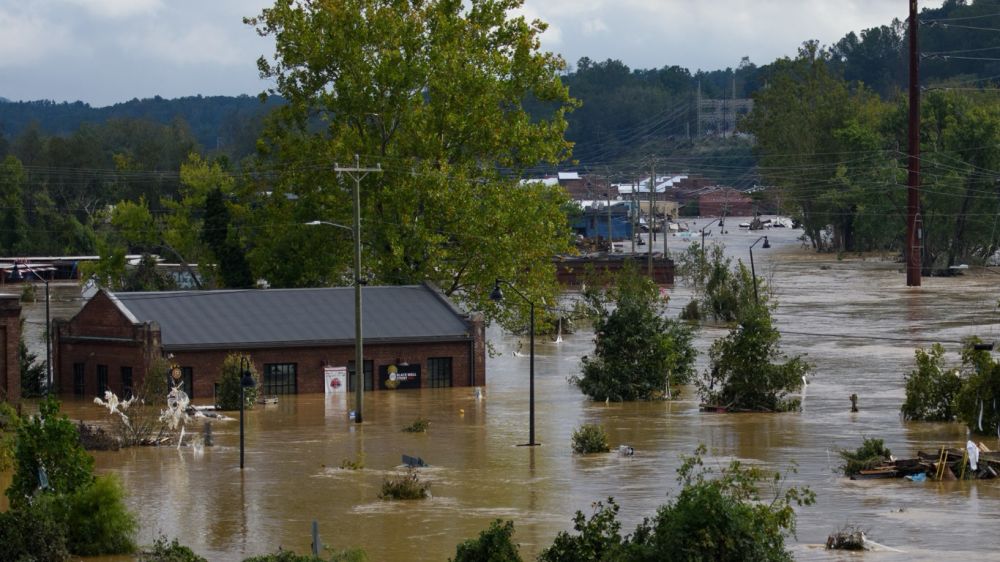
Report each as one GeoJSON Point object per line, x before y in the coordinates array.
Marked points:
{"type": "Point", "coordinates": [649, 240]}
{"type": "Point", "coordinates": [914, 237]}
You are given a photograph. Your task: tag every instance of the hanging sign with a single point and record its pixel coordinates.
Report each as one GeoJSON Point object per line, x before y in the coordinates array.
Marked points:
{"type": "Point", "coordinates": [335, 380]}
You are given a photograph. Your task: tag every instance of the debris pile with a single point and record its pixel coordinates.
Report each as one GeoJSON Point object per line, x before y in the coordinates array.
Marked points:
{"type": "Point", "coordinates": [975, 461]}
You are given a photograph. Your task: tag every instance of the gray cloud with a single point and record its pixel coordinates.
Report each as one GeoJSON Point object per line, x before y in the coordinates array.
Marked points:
{"type": "Point", "coordinates": [108, 51]}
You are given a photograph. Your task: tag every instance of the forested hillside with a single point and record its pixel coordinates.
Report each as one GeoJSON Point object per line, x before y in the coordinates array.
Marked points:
{"type": "Point", "coordinates": [824, 135]}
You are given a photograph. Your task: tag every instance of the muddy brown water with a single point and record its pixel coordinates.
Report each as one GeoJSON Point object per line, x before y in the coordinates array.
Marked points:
{"type": "Point", "coordinates": [855, 320]}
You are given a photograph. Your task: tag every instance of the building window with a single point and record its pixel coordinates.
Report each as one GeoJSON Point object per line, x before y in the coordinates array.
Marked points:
{"type": "Point", "coordinates": [280, 378]}
{"type": "Point", "coordinates": [369, 369]}
{"type": "Point", "coordinates": [102, 379]}
{"type": "Point", "coordinates": [126, 382]}
{"type": "Point", "coordinates": [79, 376]}
{"type": "Point", "coordinates": [439, 371]}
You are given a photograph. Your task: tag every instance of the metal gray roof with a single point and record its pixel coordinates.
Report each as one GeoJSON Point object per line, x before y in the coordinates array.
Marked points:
{"type": "Point", "coordinates": [295, 317]}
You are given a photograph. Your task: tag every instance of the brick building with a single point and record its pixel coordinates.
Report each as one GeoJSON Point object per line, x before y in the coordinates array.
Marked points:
{"type": "Point", "coordinates": [292, 335]}
{"type": "Point", "coordinates": [10, 336]}
{"type": "Point", "coordinates": [725, 202]}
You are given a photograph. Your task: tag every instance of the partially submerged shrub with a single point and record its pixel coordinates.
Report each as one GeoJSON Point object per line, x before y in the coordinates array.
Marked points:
{"type": "Point", "coordinates": [230, 382]}
{"type": "Point", "coordinates": [95, 438]}
{"type": "Point", "coordinates": [357, 464]}
{"type": "Point", "coordinates": [931, 388]}
{"type": "Point", "coordinates": [405, 486]}
{"type": "Point", "coordinates": [97, 520]}
{"type": "Point", "coordinates": [495, 544]}
{"type": "Point", "coordinates": [418, 426]}
{"type": "Point", "coordinates": [162, 551]}
{"type": "Point", "coordinates": [346, 555]}
{"type": "Point", "coordinates": [870, 454]}
{"type": "Point", "coordinates": [35, 532]}
{"type": "Point", "coordinates": [590, 438]}
{"type": "Point", "coordinates": [597, 538]}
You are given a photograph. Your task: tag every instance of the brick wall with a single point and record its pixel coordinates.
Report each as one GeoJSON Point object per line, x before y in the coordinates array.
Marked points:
{"type": "Point", "coordinates": [10, 336]}
{"type": "Point", "coordinates": [101, 335]}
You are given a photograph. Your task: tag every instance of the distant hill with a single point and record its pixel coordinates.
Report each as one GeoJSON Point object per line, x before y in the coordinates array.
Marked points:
{"type": "Point", "coordinates": [216, 121]}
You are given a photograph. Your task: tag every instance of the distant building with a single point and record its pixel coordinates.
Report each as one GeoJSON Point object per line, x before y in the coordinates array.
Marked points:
{"type": "Point", "coordinates": [10, 337]}
{"type": "Point", "coordinates": [593, 223]}
{"type": "Point", "coordinates": [292, 335]}
{"type": "Point", "coordinates": [725, 202]}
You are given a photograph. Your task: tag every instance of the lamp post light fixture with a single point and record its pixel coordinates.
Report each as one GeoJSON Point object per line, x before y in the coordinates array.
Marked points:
{"type": "Point", "coordinates": [496, 296]}
{"type": "Point", "coordinates": [359, 364]}
{"type": "Point", "coordinates": [753, 272]}
{"type": "Point", "coordinates": [246, 381]}
{"type": "Point", "coordinates": [16, 276]}
{"type": "Point", "coordinates": [704, 262]}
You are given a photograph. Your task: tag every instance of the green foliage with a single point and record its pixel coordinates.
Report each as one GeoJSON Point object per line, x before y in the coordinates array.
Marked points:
{"type": "Point", "coordinates": [9, 422]}
{"type": "Point", "coordinates": [33, 373]}
{"type": "Point", "coordinates": [590, 438]}
{"type": "Point", "coordinates": [228, 397]}
{"type": "Point", "coordinates": [418, 426]}
{"type": "Point", "coordinates": [931, 388]}
{"type": "Point", "coordinates": [870, 454]}
{"type": "Point", "coordinates": [743, 374]}
{"type": "Point", "coordinates": [357, 464]}
{"type": "Point", "coordinates": [639, 352]}
{"type": "Point", "coordinates": [975, 403]}
{"type": "Point", "coordinates": [97, 521]}
{"type": "Point", "coordinates": [495, 544]}
{"type": "Point", "coordinates": [434, 91]}
{"type": "Point", "coordinates": [598, 538]}
{"type": "Point", "coordinates": [234, 271]}
{"type": "Point", "coordinates": [36, 532]}
{"type": "Point", "coordinates": [407, 486]}
{"type": "Point", "coordinates": [162, 551]}
{"type": "Point", "coordinates": [50, 441]}
{"type": "Point", "coordinates": [721, 291]}
{"type": "Point", "coordinates": [741, 513]}
{"type": "Point", "coordinates": [723, 517]}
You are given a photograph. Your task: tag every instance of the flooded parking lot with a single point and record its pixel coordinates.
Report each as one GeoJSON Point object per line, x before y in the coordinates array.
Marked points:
{"type": "Point", "coordinates": [856, 320]}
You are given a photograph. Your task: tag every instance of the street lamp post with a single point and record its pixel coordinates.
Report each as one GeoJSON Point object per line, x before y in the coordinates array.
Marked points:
{"type": "Point", "coordinates": [753, 272]}
{"type": "Point", "coordinates": [246, 381]}
{"type": "Point", "coordinates": [496, 296]}
{"type": "Point", "coordinates": [15, 276]}
{"type": "Point", "coordinates": [359, 365]}
{"type": "Point", "coordinates": [704, 263]}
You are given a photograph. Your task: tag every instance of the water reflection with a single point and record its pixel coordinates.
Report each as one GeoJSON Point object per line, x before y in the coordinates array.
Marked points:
{"type": "Point", "coordinates": [856, 322]}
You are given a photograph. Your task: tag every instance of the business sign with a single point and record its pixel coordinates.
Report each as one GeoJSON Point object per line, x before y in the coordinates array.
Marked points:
{"type": "Point", "coordinates": [399, 376]}
{"type": "Point", "coordinates": [335, 380]}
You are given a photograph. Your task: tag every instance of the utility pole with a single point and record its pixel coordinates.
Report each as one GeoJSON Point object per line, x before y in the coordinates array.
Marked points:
{"type": "Point", "coordinates": [357, 173]}
{"type": "Point", "coordinates": [914, 236]}
{"type": "Point", "coordinates": [611, 238]}
{"type": "Point", "coordinates": [649, 245]}
{"type": "Point", "coordinates": [633, 211]}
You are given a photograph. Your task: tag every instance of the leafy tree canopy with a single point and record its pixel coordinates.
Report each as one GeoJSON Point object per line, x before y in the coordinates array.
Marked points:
{"type": "Point", "coordinates": [432, 91]}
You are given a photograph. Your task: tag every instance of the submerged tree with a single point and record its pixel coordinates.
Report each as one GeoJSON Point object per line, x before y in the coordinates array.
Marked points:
{"type": "Point", "coordinates": [976, 404]}
{"type": "Point", "coordinates": [639, 352]}
{"type": "Point", "coordinates": [744, 374]}
{"type": "Point", "coordinates": [931, 387]}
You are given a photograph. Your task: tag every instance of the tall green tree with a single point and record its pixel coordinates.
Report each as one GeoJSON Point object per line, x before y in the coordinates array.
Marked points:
{"type": "Point", "coordinates": [434, 92]}
{"type": "Point", "coordinates": [234, 270]}
{"type": "Point", "coordinates": [13, 223]}
{"type": "Point", "coordinates": [819, 144]}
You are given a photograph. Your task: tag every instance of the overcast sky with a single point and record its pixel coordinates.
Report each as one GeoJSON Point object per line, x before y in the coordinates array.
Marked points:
{"type": "Point", "coordinates": [109, 51]}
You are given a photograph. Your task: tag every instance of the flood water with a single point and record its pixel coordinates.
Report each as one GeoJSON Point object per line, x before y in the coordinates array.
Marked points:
{"type": "Point", "coordinates": [856, 320]}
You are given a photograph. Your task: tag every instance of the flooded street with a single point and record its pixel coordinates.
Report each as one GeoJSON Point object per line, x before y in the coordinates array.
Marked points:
{"type": "Point", "coordinates": [856, 320]}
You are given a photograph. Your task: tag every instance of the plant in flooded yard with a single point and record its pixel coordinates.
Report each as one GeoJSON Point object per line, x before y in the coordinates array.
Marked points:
{"type": "Point", "coordinates": [162, 551]}
{"type": "Point", "coordinates": [870, 454]}
{"type": "Point", "coordinates": [228, 397]}
{"type": "Point", "coordinates": [590, 438]}
{"type": "Point", "coordinates": [931, 388]}
{"type": "Point", "coordinates": [357, 464]}
{"type": "Point", "coordinates": [639, 352]}
{"type": "Point", "coordinates": [743, 372]}
{"type": "Point", "coordinates": [420, 425]}
{"type": "Point", "coordinates": [977, 404]}
{"type": "Point", "coordinates": [406, 486]}
{"type": "Point", "coordinates": [495, 544]}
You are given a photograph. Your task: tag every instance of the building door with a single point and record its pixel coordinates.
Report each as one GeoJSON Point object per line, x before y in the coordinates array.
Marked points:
{"type": "Point", "coordinates": [369, 369]}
